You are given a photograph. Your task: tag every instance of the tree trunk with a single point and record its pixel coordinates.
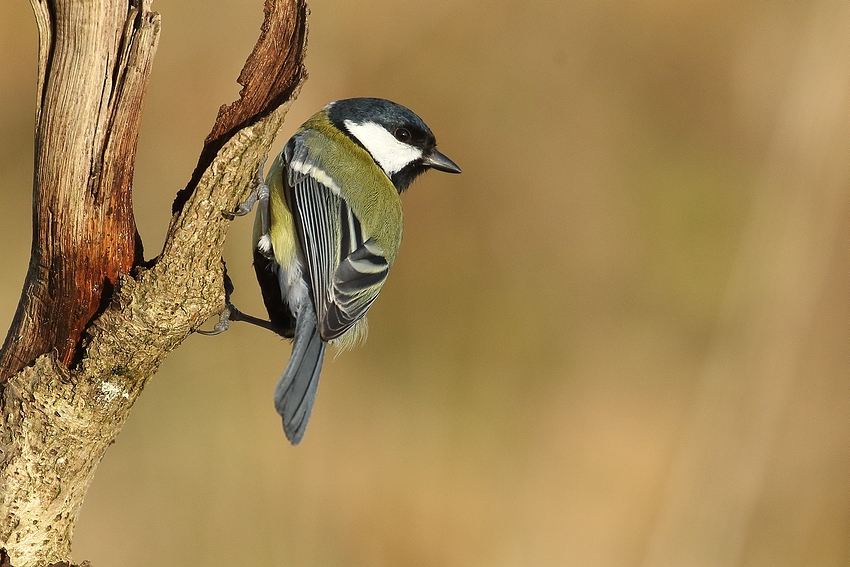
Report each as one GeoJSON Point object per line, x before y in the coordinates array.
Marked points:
{"type": "Point", "coordinates": [94, 63]}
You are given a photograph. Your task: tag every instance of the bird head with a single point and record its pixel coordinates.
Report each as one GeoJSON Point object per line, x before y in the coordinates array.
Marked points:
{"type": "Point", "coordinates": [396, 138]}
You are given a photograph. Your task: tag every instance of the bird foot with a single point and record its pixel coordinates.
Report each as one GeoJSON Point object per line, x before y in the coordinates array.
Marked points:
{"type": "Point", "coordinates": [259, 190]}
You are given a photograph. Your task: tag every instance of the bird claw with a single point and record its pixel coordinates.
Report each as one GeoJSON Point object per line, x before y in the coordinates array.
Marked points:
{"type": "Point", "coordinates": [223, 321]}
{"type": "Point", "coordinates": [258, 190]}
{"type": "Point", "coordinates": [227, 314]}
{"type": "Point", "coordinates": [231, 313]}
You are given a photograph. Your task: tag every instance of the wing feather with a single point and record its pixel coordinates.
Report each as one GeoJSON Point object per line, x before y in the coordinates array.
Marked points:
{"type": "Point", "coordinates": [356, 283]}
{"type": "Point", "coordinates": [346, 272]}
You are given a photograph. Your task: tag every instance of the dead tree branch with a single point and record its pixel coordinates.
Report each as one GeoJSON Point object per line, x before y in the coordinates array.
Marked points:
{"type": "Point", "coordinates": [94, 322]}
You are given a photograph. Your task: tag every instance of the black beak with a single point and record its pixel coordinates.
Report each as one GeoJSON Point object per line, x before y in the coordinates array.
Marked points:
{"type": "Point", "coordinates": [440, 162]}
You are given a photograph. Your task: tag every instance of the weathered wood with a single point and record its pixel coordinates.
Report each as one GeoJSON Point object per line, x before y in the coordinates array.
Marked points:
{"type": "Point", "coordinates": [267, 80]}
{"type": "Point", "coordinates": [94, 63]}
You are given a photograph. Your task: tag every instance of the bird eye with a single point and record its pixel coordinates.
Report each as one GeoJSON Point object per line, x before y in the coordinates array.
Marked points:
{"type": "Point", "coordinates": [402, 135]}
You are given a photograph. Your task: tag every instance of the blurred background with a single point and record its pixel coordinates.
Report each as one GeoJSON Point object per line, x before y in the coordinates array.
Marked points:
{"type": "Point", "coordinates": [620, 338]}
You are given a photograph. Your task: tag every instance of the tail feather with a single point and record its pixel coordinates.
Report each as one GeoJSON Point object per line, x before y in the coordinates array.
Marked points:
{"type": "Point", "coordinates": [296, 390]}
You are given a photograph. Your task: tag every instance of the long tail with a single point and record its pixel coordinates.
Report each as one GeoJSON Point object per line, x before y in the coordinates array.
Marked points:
{"type": "Point", "coordinates": [296, 390]}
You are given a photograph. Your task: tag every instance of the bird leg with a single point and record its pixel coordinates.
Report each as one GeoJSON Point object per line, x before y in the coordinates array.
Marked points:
{"type": "Point", "coordinates": [231, 313]}
{"type": "Point", "coordinates": [259, 191]}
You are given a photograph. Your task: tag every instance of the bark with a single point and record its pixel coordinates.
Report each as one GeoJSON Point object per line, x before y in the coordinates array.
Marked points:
{"type": "Point", "coordinates": [94, 323]}
{"type": "Point", "coordinates": [94, 63]}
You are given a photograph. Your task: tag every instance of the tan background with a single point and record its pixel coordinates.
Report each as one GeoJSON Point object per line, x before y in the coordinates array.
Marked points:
{"type": "Point", "coordinates": [620, 338]}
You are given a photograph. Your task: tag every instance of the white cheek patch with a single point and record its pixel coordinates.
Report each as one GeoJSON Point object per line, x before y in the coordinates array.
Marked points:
{"type": "Point", "coordinates": [390, 154]}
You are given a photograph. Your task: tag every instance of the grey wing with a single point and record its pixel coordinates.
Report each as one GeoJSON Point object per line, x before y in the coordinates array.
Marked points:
{"type": "Point", "coordinates": [356, 284]}
{"type": "Point", "coordinates": [346, 271]}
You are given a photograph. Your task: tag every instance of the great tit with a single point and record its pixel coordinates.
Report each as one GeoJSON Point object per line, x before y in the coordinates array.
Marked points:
{"type": "Point", "coordinates": [327, 229]}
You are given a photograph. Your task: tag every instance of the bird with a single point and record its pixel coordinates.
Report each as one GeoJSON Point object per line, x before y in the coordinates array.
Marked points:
{"type": "Point", "coordinates": [327, 230]}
